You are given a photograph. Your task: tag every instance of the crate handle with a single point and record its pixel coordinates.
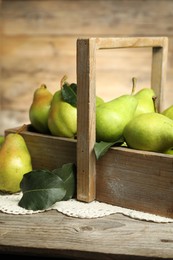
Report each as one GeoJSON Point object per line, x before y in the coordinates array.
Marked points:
{"type": "Point", "coordinates": [86, 97]}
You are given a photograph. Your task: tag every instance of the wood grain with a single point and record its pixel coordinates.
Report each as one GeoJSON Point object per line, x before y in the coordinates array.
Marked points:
{"type": "Point", "coordinates": [86, 103]}
{"type": "Point", "coordinates": [87, 18]}
{"type": "Point", "coordinates": [136, 179]}
{"type": "Point", "coordinates": [53, 234]}
{"type": "Point", "coordinates": [28, 62]}
{"type": "Point", "coordinates": [38, 44]}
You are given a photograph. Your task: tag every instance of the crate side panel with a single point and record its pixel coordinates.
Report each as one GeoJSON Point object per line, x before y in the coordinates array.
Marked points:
{"type": "Point", "coordinates": [137, 180]}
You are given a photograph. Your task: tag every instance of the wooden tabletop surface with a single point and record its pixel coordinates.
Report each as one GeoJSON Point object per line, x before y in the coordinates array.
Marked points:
{"type": "Point", "coordinates": [53, 234]}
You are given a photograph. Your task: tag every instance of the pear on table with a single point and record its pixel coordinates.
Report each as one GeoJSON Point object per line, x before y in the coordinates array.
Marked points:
{"type": "Point", "coordinates": [39, 109]}
{"type": "Point", "coordinates": [15, 161]}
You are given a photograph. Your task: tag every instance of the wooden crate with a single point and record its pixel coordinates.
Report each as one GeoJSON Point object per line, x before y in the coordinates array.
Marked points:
{"type": "Point", "coordinates": [124, 177]}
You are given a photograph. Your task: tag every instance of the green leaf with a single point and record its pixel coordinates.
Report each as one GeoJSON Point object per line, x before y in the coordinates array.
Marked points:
{"type": "Point", "coordinates": [100, 148]}
{"type": "Point", "coordinates": [41, 189]}
{"type": "Point", "coordinates": [69, 93]}
{"type": "Point", "coordinates": [68, 174]}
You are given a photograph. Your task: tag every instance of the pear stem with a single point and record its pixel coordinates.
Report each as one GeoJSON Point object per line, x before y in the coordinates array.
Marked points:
{"type": "Point", "coordinates": [43, 86]}
{"type": "Point", "coordinates": [63, 80]}
{"type": "Point", "coordinates": [21, 129]}
{"type": "Point", "coordinates": [154, 102]}
{"type": "Point", "coordinates": [134, 80]}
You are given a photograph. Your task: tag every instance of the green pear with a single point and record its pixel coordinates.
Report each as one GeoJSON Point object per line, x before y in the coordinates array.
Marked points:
{"type": "Point", "coordinates": [62, 118]}
{"type": "Point", "coordinates": [112, 116]}
{"type": "Point", "coordinates": [169, 151]}
{"type": "Point", "coordinates": [149, 131]}
{"type": "Point", "coordinates": [39, 109]}
{"type": "Point", "coordinates": [99, 101]}
{"type": "Point", "coordinates": [146, 100]}
{"type": "Point", "coordinates": [15, 161]}
{"type": "Point", "coordinates": [168, 112]}
{"type": "Point", "coordinates": [2, 139]}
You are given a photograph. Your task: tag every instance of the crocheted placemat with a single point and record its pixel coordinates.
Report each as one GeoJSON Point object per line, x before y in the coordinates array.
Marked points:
{"type": "Point", "coordinates": [75, 208]}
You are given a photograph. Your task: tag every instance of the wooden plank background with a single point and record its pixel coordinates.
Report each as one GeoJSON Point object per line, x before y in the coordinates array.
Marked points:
{"type": "Point", "coordinates": [38, 45]}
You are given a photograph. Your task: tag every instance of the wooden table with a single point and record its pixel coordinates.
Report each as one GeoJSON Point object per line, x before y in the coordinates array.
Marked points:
{"type": "Point", "coordinates": [53, 234]}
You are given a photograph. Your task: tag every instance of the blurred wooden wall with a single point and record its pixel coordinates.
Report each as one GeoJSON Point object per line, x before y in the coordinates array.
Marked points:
{"type": "Point", "coordinates": [38, 45]}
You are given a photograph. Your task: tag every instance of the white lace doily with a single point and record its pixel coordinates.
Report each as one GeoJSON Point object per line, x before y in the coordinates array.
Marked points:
{"type": "Point", "coordinates": [74, 208]}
